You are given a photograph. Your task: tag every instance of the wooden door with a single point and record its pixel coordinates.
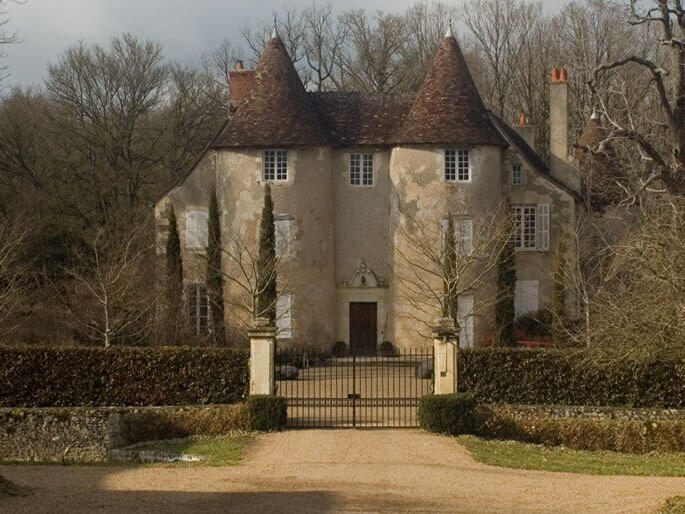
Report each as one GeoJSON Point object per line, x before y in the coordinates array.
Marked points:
{"type": "Point", "coordinates": [363, 328]}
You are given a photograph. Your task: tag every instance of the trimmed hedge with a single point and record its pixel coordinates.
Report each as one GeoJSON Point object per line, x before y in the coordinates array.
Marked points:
{"type": "Point", "coordinates": [555, 377]}
{"type": "Point", "coordinates": [121, 376]}
{"type": "Point", "coordinates": [618, 435]}
{"type": "Point", "coordinates": [267, 413]}
{"type": "Point", "coordinates": [447, 413]}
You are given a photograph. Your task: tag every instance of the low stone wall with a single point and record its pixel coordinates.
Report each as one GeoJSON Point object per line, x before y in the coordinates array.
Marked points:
{"type": "Point", "coordinates": [86, 434]}
{"type": "Point", "coordinates": [585, 428]}
{"type": "Point", "coordinates": [581, 411]}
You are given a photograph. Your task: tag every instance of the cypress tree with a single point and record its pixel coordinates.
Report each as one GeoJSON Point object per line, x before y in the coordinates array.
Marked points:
{"type": "Point", "coordinates": [450, 301]}
{"type": "Point", "coordinates": [174, 281]}
{"type": "Point", "coordinates": [266, 263]}
{"type": "Point", "coordinates": [506, 292]}
{"type": "Point", "coordinates": [215, 277]}
{"type": "Point", "coordinates": [559, 296]}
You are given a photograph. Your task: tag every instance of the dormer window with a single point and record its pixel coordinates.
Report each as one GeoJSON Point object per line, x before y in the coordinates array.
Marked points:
{"type": "Point", "coordinates": [457, 166]}
{"type": "Point", "coordinates": [275, 167]}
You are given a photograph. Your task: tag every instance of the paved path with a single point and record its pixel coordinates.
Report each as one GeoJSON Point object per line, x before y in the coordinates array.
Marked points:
{"type": "Point", "coordinates": [334, 471]}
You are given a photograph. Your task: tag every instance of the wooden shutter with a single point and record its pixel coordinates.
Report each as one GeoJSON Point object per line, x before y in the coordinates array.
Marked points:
{"type": "Point", "coordinates": [543, 226]}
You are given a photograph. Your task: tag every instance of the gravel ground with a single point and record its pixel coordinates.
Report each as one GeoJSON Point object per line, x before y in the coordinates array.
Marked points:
{"type": "Point", "coordinates": [335, 471]}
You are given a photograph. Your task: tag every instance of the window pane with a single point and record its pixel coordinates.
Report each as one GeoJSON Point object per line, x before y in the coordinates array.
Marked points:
{"type": "Point", "coordinates": [355, 169]}
{"type": "Point", "coordinates": [450, 165]}
{"type": "Point", "coordinates": [516, 175]}
{"type": "Point", "coordinates": [284, 316]}
{"type": "Point", "coordinates": [367, 170]}
{"type": "Point", "coordinates": [463, 168]}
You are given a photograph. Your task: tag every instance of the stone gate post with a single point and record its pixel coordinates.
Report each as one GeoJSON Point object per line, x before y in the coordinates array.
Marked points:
{"type": "Point", "coordinates": [262, 346]}
{"type": "Point", "coordinates": [445, 342]}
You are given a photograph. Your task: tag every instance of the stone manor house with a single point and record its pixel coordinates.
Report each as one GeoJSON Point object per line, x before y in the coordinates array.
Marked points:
{"type": "Point", "coordinates": [344, 169]}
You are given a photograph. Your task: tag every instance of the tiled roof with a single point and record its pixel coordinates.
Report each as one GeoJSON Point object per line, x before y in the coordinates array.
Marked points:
{"type": "Point", "coordinates": [278, 111]}
{"type": "Point", "coordinates": [361, 118]}
{"type": "Point", "coordinates": [521, 144]}
{"type": "Point", "coordinates": [448, 109]}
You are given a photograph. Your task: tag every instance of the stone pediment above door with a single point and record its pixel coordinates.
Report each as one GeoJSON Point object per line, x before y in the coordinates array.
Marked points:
{"type": "Point", "coordinates": [364, 277]}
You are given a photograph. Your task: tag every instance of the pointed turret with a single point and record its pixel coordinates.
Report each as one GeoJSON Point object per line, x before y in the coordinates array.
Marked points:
{"type": "Point", "coordinates": [277, 111]}
{"type": "Point", "coordinates": [448, 109]}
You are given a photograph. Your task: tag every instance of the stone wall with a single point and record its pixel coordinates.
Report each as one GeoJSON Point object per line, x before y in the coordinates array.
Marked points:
{"type": "Point", "coordinates": [86, 434]}
{"type": "Point", "coordinates": [526, 412]}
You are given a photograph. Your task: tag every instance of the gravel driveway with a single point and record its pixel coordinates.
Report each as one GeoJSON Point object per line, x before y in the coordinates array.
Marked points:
{"type": "Point", "coordinates": [335, 470]}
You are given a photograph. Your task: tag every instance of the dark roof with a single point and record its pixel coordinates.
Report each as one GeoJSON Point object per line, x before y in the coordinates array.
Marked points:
{"type": "Point", "coordinates": [448, 109]}
{"type": "Point", "coordinates": [521, 144]}
{"type": "Point", "coordinates": [361, 118]}
{"type": "Point", "coordinates": [278, 111]}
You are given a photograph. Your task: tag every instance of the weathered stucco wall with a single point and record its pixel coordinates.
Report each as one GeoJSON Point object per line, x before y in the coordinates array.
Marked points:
{"type": "Point", "coordinates": [419, 192]}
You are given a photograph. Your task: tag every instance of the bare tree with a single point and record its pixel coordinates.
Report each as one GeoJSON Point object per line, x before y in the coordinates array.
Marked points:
{"type": "Point", "coordinates": [6, 37]}
{"type": "Point", "coordinates": [14, 270]}
{"type": "Point", "coordinates": [220, 61]}
{"type": "Point", "coordinates": [108, 296]}
{"type": "Point", "coordinates": [323, 44]}
{"type": "Point", "coordinates": [429, 281]}
{"type": "Point", "coordinates": [656, 125]}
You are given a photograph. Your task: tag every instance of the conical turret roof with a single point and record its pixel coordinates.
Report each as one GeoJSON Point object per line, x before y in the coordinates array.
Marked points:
{"type": "Point", "coordinates": [278, 111]}
{"type": "Point", "coordinates": [448, 109]}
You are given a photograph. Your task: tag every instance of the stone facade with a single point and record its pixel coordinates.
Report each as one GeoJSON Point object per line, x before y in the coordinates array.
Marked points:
{"type": "Point", "coordinates": [344, 245]}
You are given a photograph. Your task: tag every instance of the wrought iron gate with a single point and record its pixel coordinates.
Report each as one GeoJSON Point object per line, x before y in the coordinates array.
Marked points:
{"type": "Point", "coordinates": [357, 391]}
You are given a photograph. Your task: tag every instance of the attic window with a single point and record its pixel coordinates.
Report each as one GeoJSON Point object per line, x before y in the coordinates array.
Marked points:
{"type": "Point", "coordinates": [275, 165]}
{"type": "Point", "coordinates": [361, 169]}
{"type": "Point", "coordinates": [516, 175]}
{"type": "Point", "coordinates": [457, 166]}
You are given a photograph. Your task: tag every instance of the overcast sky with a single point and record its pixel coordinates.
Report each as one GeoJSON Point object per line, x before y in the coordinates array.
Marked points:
{"type": "Point", "coordinates": [185, 28]}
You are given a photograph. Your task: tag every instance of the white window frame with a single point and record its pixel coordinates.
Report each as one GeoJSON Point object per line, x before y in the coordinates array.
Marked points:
{"type": "Point", "coordinates": [517, 174]}
{"type": "Point", "coordinates": [195, 314]}
{"type": "Point", "coordinates": [526, 297]}
{"type": "Point", "coordinates": [283, 228]}
{"type": "Point", "coordinates": [275, 165]}
{"type": "Point", "coordinates": [197, 231]}
{"type": "Point", "coordinates": [542, 227]}
{"type": "Point", "coordinates": [457, 165]}
{"type": "Point", "coordinates": [284, 315]}
{"type": "Point", "coordinates": [463, 228]}
{"type": "Point", "coordinates": [525, 236]}
{"type": "Point", "coordinates": [465, 317]}
{"type": "Point", "coordinates": [361, 169]}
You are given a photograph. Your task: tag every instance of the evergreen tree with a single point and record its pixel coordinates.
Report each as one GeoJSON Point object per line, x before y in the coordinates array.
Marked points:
{"type": "Point", "coordinates": [559, 334]}
{"type": "Point", "coordinates": [506, 292]}
{"type": "Point", "coordinates": [215, 277]}
{"type": "Point", "coordinates": [174, 282]}
{"type": "Point", "coordinates": [266, 264]}
{"type": "Point", "coordinates": [450, 301]}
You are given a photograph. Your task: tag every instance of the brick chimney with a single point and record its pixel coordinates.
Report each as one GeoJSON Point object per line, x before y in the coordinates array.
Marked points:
{"type": "Point", "coordinates": [525, 130]}
{"type": "Point", "coordinates": [239, 83]}
{"type": "Point", "coordinates": [558, 130]}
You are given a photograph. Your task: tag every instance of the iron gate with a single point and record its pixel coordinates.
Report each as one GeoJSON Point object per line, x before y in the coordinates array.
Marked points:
{"type": "Point", "coordinates": [357, 391]}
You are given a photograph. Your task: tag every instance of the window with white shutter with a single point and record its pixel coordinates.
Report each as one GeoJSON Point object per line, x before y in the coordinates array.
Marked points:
{"type": "Point", "coordinates": [543, 226]}
{"type": "Point", "coordinates": [465, 318]}
{"type": "Point", "coordinates": [464, 235]}
{"type": "Point", "coordinates": [198, 308]}
{"type": "Point", "coordinates": [527, 297]}
{"type": "Point", "coordinates": [283, 228]}
{"type": "Point", "coordinates": [284, 307]}
{"type": "Point", "coordinates": [196, 229]}
{"type": "Point", "coordinates": [525, 223]}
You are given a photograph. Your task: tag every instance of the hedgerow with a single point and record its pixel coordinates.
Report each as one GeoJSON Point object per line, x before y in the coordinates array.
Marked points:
{"type": "Point", "coordinates": [123, 376]}
{"type": "Point", "coordinates": [555, 377]}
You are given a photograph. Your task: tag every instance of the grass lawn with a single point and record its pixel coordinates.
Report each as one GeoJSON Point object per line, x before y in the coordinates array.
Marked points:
{"type": "Point", "coordinates": [216, 451]}
{"type": "Point", "coordinates": [675, 505]}
{"type": "Point", "coordinates": [512, 454]}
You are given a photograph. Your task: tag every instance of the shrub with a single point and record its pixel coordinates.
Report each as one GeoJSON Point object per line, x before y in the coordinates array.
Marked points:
{"type": "Point", "coordinates": [339, 349]}
{"type": "Point", "coordinates": [556, 377]}
{"type": "Point", "coordinates": [534, 325]}
{"type": "Point", "coordinates": [121, 376]}
{"type": "Point", "coordinates": [386, 349]}
{"type": "Point", "coordinates": [447, 413]}
{"type": "Point", "coordinates": [620, 435]}
{"type": "Point", "coordinates": [170, 423]}
{"type": "Point", "coordinates": [267, 413]}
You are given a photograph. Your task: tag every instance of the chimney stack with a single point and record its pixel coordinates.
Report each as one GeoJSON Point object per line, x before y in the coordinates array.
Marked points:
{"type": "Point", "coordinates": [239, 84]}
{"type": "Point", "coordinates": [558, 129]}
{"type": "Point", "coordinates": [525, 130]}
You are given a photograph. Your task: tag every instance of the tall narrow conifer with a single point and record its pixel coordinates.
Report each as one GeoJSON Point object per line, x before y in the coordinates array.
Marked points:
{"type": "Point", "coordinates": [174, 283]}
{"type": "Point", "coordinates": [266, 264]}
{"type": "Point", "coordinates": [506, 292]}
{"type": "Point", "coordinates": [215, 277]}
